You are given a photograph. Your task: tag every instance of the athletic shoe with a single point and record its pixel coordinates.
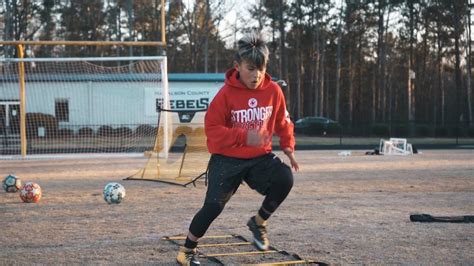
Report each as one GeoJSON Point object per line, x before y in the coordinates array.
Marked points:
{"type": "Point", "coordinates": [187, 257]}
{"type": "Point", "coordinates": [259, 232]}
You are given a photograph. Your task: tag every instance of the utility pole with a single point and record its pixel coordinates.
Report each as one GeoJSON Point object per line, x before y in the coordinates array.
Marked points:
{"type": "Point", "coordinates": [411, 73]}
{"type": "Point", "coordinates": [206, 40]}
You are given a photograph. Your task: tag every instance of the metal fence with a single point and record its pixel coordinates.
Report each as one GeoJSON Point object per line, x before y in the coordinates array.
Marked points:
{"type": "Point", "coordinates": [139, 138]}
{"type": "Point", "coordinates": [368, 135]}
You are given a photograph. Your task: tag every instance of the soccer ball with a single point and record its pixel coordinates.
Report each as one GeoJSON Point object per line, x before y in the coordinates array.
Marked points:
{"type": "Point", "coordinates": [11, 183]}
{"type": "Point", "coordinates": [31, 192]}
{"type": "Point", "coordinates": [114, 193]}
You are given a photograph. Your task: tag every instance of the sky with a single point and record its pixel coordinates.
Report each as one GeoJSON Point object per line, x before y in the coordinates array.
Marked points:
{"type": "Point", "coordinates": [237, 10]}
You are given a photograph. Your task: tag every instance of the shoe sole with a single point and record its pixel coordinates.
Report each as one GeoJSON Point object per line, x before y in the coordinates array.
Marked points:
{"type": "Point", "coordinates": [259, 245]}
{"type": "Point", "coordinates": [183, 264]}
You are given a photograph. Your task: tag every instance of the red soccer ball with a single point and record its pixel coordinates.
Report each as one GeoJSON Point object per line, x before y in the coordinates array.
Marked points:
{"type": "Point", "coordinates": [31, 192]}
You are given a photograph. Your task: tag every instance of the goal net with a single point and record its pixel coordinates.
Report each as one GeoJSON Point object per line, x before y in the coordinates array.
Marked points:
{"type": "Point", "coordinates": [395, 146]}
{"type": "Point", "coordinates": [179, 156]}
{"type": "Point", "coordinates": [80, 105]}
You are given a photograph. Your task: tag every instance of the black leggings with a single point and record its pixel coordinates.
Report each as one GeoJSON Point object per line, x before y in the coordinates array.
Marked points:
{"type": "Point", "coordinates": [279, 184]}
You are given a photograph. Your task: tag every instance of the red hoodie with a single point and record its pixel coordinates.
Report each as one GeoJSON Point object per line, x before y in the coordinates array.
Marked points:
{"type": "Point", "coordinates": [236, 109]}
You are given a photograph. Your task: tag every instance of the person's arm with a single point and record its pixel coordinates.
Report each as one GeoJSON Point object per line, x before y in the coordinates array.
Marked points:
{"type": "Point", "coordinates": [218, 132]}
{"type": "Point", "coordinates": [284, 128]}
{"type": "Point", "coordinates": [291, 155]}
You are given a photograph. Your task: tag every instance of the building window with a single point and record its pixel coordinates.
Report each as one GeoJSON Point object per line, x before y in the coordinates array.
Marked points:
{"type": "Point", "coordinates": [61, 110]}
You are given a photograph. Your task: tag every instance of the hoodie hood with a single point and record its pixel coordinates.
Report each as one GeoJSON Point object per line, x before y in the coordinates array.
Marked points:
{"type": "Point", "coordinates": [232, 80]}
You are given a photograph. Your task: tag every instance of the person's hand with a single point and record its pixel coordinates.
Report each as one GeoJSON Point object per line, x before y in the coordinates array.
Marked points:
{"type": "Point", "coordinates": [291, 155]}
{"type": "Point", "coordinates": [258, 138]}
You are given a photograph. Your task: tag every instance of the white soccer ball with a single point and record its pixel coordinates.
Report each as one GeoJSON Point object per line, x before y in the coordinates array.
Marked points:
{"type": "Point", "coordinates": [11, 183]}
{"type": "Point", "coordinates": [114, 193]}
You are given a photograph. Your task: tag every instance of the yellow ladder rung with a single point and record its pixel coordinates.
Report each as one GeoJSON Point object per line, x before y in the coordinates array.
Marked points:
{"type": "Point", "coordinates": [291, 262]}
{"type": "Point", "coordinates": [224, 244]}
{"type": "Point", "coordinates": [239, 253]}
{"type": "Point", "coordinates": [184, 237]}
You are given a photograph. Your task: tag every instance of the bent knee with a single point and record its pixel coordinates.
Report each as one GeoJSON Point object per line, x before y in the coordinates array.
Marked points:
{"type": "Point", "coordinates": [284, 177]}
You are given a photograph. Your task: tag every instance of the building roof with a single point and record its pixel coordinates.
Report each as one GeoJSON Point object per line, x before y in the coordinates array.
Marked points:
{"type": "Point", "coordinates": [62, 77]}
{"type": "Point", "coordinates": [217, 77]}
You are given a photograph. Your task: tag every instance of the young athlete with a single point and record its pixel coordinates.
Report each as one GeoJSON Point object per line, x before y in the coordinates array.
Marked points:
{"type": "Point", "coordinates": [239, 125]}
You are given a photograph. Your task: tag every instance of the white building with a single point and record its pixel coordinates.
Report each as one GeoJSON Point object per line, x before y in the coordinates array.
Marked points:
{"type": "Point", "coordinates": [117, 100]}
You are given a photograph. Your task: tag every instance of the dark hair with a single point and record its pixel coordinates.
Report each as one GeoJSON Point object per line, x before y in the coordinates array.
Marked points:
{"type": "Point", "coordinates": [253, 49]}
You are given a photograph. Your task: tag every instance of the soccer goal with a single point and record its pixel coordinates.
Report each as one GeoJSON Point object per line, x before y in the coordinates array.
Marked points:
{"type": "Point", "coordinates": [58, 106]}
{"type": "Point", "coordinates": [78, 106]}
{"type": "Point", "coordinates": [395, 146]}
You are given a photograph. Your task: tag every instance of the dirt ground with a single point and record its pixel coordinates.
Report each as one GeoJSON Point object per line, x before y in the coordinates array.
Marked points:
{"type": "Point", "coordinates": [342, 210]}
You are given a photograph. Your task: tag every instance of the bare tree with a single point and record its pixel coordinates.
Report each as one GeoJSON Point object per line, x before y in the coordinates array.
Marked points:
{"type": "Point", "coordinates": [457, 21]}
{"type": "Point", "coordinates": [468, 64]}
{"type": "Point", "coordinates": [207, 20]}
{"type": "Point", "coordinates": [283, 66]}
{"type": "Point", "coordinates": [411, 73]}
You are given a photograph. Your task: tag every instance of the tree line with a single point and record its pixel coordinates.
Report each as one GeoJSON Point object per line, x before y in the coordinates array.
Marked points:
{"type": "Point", "coordinates": [355, 61]}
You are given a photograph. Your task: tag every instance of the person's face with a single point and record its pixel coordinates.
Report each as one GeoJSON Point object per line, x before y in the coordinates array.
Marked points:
{"type": "Point", "coordinates": [250, 75]}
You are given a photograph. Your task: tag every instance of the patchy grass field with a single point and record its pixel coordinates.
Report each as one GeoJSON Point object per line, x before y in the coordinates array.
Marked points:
{"type": "Point", "coordinates": [342, 210]}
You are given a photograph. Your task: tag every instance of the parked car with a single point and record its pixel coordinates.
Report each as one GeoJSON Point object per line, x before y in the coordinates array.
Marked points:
{"type": "Point", "coordinates": [316, 125]}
